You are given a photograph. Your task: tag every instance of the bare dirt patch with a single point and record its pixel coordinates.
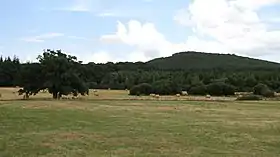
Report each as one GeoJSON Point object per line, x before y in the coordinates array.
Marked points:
{"type": "Point", "coordinates": [56, 105]}
{"type": "Point", "coordinates": [167, 108]}
{"type": "Point", "coordinates": [54, 140]}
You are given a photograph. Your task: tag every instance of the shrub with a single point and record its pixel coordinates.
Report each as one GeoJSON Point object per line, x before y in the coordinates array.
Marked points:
{"type": "Point", "coordinates": [250, 97]}
{"type": "Point", "coordinates": [141, 89]}
{"type": "Point", "coordinates": [244, 89]}
{"type": "Point", "coordinates": [166, 87]}
{"type": "Point", "coordinates": [268, 93]}
{"type": "Point", "coordinates": [263, 90]}
{"type": "Point", "coordinates": [198, 90]}
{"type": "Point", "coordinates": [186, 87]}
{"type": "Point", "coordinates": [220, 89]}
{"type": "Point", "coordinates": [278, 90]}
{"type": "Point", "coordinates": [92, 85]}
{"type": "Point", "coordinates": [259, 88]}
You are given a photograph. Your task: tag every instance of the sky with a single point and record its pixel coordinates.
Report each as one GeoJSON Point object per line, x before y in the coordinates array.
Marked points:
{"type": "Point", "coordinates": [139, 30]}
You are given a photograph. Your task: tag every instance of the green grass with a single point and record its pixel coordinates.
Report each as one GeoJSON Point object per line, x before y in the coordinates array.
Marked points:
{"type": "Point", "coordinates": [138, 128]}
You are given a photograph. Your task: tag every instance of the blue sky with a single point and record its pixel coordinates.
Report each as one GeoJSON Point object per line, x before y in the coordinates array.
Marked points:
{"type": "Point", "coordinates": [139, 30]}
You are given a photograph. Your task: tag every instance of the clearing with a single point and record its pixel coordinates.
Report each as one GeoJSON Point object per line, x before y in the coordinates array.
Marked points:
{"type": "Point", "coordinates": [124, 128]}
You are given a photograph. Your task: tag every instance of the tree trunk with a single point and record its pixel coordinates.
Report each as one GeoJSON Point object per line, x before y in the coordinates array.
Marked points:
{"type": "Point", "coordinates": [59, 95]}
{"type": "Point", "coordinates": [55, 95]}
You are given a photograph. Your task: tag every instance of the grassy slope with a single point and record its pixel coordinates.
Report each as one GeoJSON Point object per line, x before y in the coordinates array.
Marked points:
{"type": "Point", "coordinates": [197, 60]}
{"type": "Point", "coordinates": [138, 128]}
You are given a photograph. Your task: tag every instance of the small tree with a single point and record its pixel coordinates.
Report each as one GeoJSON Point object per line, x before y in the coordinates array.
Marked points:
{"type": "Point", "coordinates": [278, 90]}
{"type": "Point", "coordinates": [92, 85]}
{"type": "Point", "coordinates": [198, 90]}
{"type": "Point", "coordinates": [141, 89]}
{"type": "Point", "coordinates": [263, 89]}
{"type": "Point", "coordinates": [220, 89]}
{"type": "Point", "coordinates": [166, 87]}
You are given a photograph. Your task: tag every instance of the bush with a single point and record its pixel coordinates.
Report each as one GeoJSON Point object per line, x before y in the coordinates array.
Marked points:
{"type": "Point", "coordinates": [141, 89]}
{"type": "Point", "coordinates": [186, 87]}
{"type": "Point", "coordinates": [92, 85]}
{"type": "Point", "coordinates": [263, 90]}
{"type": "Point", "coordinates": [244, 89]}
{"type": "Point", "coordinates": [220, 89]}
{"type": "Point", "coordinates": [278, 90]}
{"type": "Point", "coordinates": [268, 93]}
{"type": "Point", "coordinates": [198, 90]}
{"type": "Point", "coordinates": [259, 88]}
{"type": "Point", "coordinates": [250, 97]}
{"type": "Point", "coordinates": [166, 87]}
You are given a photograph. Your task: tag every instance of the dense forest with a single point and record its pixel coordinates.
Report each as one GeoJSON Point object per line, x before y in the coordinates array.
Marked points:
{"type": "Point", "coordinates": [195, 72]}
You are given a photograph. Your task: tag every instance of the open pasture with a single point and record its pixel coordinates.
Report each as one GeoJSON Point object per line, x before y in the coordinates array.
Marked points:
{"type": "Point", "coordinates": [11, 94]}
{"type": "Point", "coordinates": [113, 125]}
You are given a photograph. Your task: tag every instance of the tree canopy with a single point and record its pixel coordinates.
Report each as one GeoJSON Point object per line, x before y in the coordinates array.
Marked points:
{"type": "Point", "coordinates": [63, 74]}
{"type": "Point", "coordinates": [57, 72]}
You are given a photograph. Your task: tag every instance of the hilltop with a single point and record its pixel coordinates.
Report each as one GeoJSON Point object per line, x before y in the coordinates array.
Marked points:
{"type": "Point", "coordinates": [200, 60]}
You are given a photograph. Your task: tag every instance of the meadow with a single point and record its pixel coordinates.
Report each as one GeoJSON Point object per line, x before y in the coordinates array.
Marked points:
{"type": "Point", "coordinates": [115, 124]}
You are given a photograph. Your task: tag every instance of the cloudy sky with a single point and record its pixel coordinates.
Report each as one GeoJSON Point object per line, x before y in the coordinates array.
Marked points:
{"type": "Point", "coordinates": [139, 30]}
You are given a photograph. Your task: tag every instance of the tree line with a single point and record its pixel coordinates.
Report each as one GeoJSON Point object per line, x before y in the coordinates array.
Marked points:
{"type": "Point", "coordinates": [63, 74]}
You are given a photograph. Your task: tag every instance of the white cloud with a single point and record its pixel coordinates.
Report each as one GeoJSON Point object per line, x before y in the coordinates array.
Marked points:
{"type": "Point", "coordinates": [42, 38]}
{"type": "Point", "coordinates": [254, 4]}
{"type": "Point", "coordinates": [182, 17]}
{"type": "Point", "coordinates": [78, 6]}
{"type": "Point", "coordinates": [274, 19]}
{"type": "Point", "coordinates": [149, 43]}
{"type": "Point", "coordinates": [101, 57]}
{"type": "Point", "coordinates": [111, 13]}
{"type": "Point", "coordinates": [106, 56]}
{"type": "Point", "coordinates": [76, 37]}
{"type": "Point", "coordinates": [235, 24]}
{"type": "Point", "coordinates": [107, 14]}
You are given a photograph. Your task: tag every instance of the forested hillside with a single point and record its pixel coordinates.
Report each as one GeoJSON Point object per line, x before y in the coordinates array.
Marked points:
{"type": "Point", "coordinates": [192, 72]}
{"type": "Point", "coordinates": [199, 60]}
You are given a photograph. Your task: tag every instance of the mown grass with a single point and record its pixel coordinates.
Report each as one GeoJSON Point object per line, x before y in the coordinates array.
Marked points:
{"type": "Point", "coordinates": [11, 94]}
{"type": "Point", "coordinates": [138, 128]}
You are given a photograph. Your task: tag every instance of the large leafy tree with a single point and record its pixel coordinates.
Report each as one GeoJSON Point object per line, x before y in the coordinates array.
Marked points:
{"type": "Point", "coordinates": [62, 74]}
{"type": "Point", "coordinates": [31, 79]}
{"type": "Point", "coordinates": [57, 72]}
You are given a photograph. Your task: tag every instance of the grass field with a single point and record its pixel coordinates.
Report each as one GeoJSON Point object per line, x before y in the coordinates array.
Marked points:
{"type": "Point", "coordinates": [113, 125]}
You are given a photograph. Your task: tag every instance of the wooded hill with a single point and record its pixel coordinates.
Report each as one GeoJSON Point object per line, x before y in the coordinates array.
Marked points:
{"type": "Point", "coordinates": [208, 61]}
{"type": "Point", "coordinates": [194, 72]}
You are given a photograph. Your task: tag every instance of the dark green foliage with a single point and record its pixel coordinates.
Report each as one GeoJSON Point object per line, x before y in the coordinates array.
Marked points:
{"type": "Point", "coordinates": [31, 79]}
{"type": "Point", "coordinates": [278, 90]}
{"type": "Point", "coordinates": [220, 89]}
{"type": "Point", "coordinates": [9, 71]}
{"type": "Point", "coordinates": [268, 93]}
{"type": "Point", "coordinates": [166, 87]}
{"type": "Point", "coordinates": [191, 72]}
{"type": "Point", "coordinates": [162, 87]}
{"type": "Point", "coordinates": [198, 90]}
{"type": "Point", "coordinates": [141, 89]}
{"type": "Point", "coordinates": [56, 71]}
{"type": "Point", "coordinates": [259, 88]}
{"type": "Point", "coordinates": [92, 85]}
{"type": "Point", "coordinates": [62, 76]}
{"type": "Point", "coordinates": [263, 90]}
{"type": "Point", "coordinates": [198, 61]}
{"type": "Point", "coordinates": [250, 97]}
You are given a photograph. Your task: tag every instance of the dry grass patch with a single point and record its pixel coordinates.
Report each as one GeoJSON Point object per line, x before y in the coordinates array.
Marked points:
{"type": "Point", "coordinates": [138, 128]}
{"type": "Point", "coordinates": [166, 108]}
{"type": "Point", "coordinates": [73, 105]}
